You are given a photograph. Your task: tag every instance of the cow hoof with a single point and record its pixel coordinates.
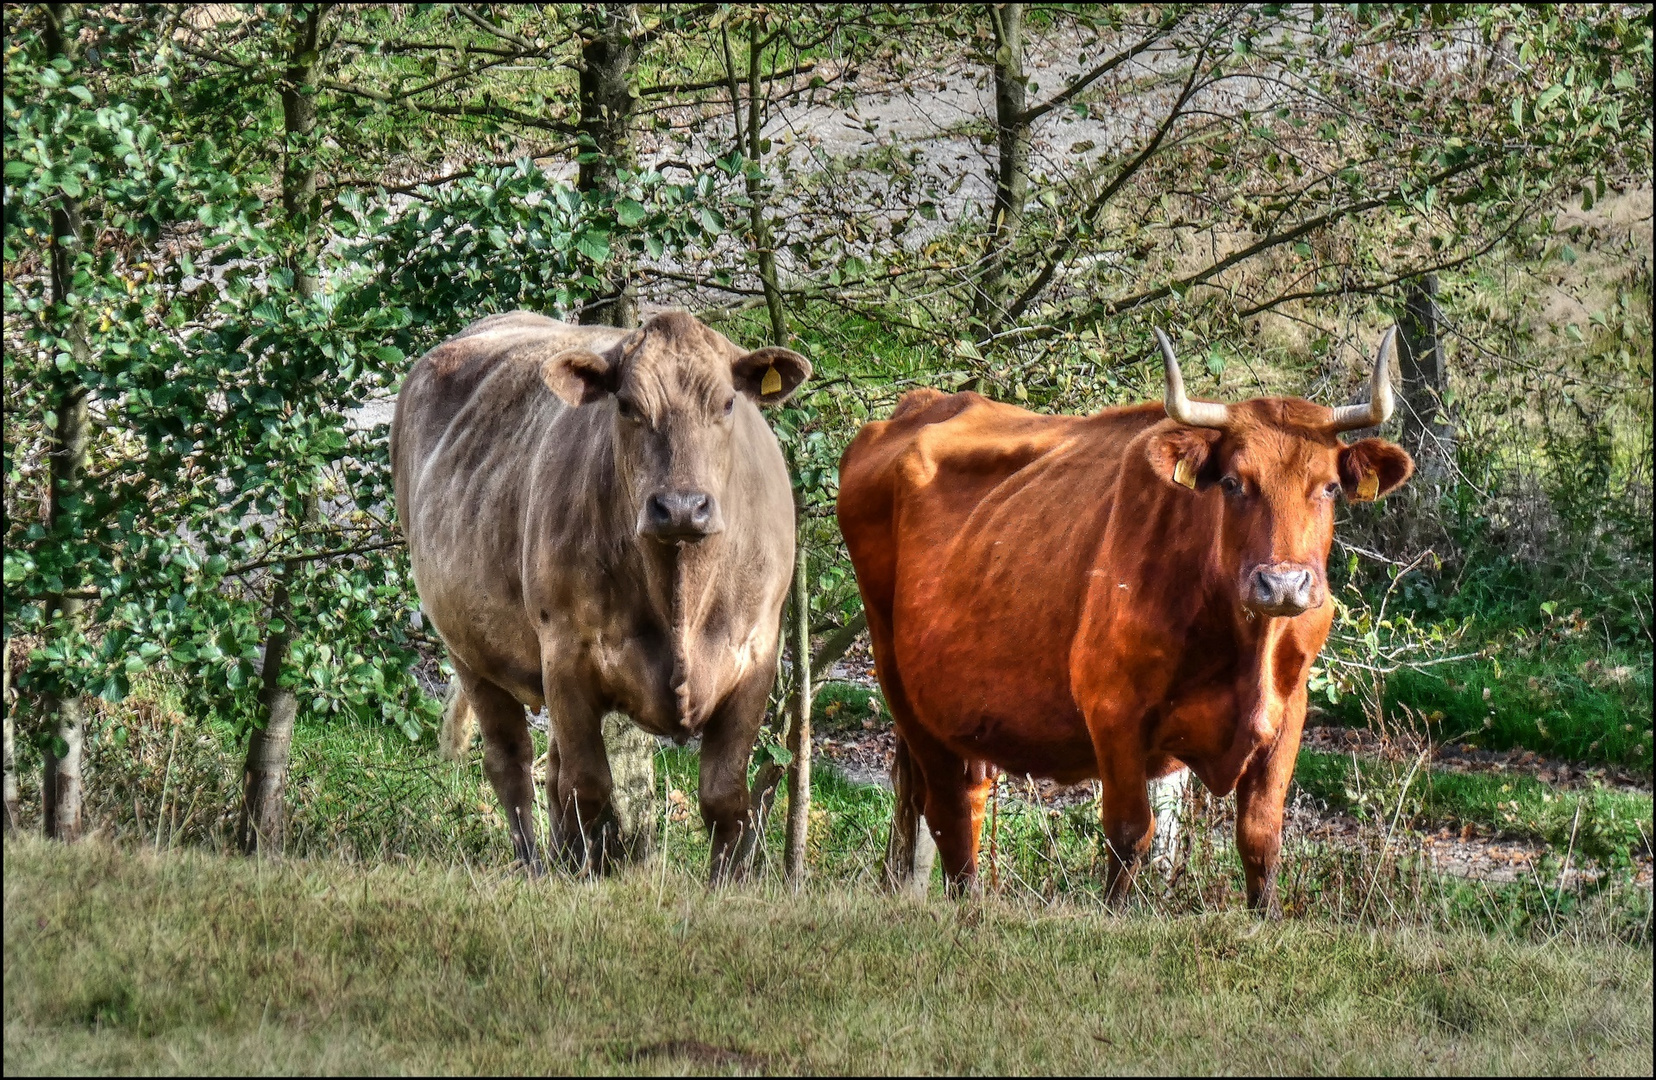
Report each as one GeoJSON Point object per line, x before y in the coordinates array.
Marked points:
{"type": "Point", "coordinates": [596, 851]}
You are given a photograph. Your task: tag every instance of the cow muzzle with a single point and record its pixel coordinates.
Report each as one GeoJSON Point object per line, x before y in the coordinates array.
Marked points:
{"type": "Point", "coordinates": [1281, 589]}
{"type": "Point", "coordinates": [679, 516]}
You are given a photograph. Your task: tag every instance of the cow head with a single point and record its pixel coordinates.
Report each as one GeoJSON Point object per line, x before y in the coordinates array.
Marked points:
{"type": "Point", "coordinates": [1274, 467]}
{"type": "Point", "coordinates": [674, 389]}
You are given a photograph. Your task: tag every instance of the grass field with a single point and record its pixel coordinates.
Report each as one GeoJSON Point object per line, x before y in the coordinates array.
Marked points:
{"type": "Point", "coordinates": [365, 794]}
{"type": "Point", "coordinates": [191, 962]}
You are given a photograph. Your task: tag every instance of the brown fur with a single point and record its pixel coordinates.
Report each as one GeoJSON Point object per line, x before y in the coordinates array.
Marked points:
{"type": "Point", "coordinates": [1043, 597]}
{"type": "Point", "coordinates": [522, 513]}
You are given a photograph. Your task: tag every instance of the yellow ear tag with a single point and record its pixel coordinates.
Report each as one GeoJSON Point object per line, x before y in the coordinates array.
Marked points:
{"type": "Point", "coordinates": [1368, 487]}
{"type": "Point", "coordinates": [772, 382]}
{"type": "Point", "coordinates": [1185, 473]}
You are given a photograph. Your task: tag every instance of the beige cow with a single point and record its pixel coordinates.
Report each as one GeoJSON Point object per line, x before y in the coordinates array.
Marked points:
{"type": "Point", "coordinates": [600, 519]}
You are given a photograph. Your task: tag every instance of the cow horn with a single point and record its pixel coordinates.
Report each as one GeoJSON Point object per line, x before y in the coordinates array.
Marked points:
{"type": "Point", "coordinates": [1194, 413]}
{"type": "Point", "coordinates": [1378, 408]}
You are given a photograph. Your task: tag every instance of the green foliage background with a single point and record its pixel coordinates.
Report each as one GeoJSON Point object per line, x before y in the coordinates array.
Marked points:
{"type": "Point", "coordinates": [222, 393]}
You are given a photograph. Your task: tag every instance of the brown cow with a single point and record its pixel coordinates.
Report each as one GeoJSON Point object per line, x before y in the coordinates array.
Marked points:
{"type": "Point", "coordinates": [1105, 597]}
{"type": "Point", "coordinates": [600, 519]}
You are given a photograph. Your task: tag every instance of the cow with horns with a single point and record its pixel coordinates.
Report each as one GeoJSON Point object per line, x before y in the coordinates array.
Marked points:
{"type": "Point", "coordinates": [1104, 597]}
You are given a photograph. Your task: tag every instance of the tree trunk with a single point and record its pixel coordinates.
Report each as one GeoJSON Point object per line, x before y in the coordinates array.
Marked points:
{"type": "Point", "coordinates": [262, 824]}
{"type": "Point", "coordinates": [605, 132]}
{"type": "Point", "coordinates": [1427, 432]}
{"type": "Point", "coordinates": [66, 451]}
{"type": "Point", "coordinates": [1166, 802]}
{"type": "Point", "coordinates": [631, 752]}
{"type": "Point", "coordinates": [764, 253]}
{"type": "Point", "coordinates": [61, 783]}
{"type": "Point", "coordinates": [11, 741]}
{"type": "Point", "coordinates": [799, 733]}
{"type": "Point", "coordinates": [1012, 127]}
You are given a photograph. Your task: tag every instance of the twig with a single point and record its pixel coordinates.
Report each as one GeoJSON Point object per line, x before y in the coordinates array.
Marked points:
{"type": "Point", "coordinates": [166, 781]}
{"type": "Point", "coordinates": [312, 556]}
{"type": "Point", "coordinates": [1558, 893]}
{"type": "Point", "coordinates": [1391, 830]}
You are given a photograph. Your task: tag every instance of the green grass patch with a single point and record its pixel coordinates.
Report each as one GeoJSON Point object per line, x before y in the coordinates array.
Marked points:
{"type": "Point", "coordinates": [191, 962]}
{"type": "Point", "coordinates": [1573, 704]}
{"type": "Point", "coordinates": [1600, 822]}
{"type": "Point", "coordinates": [844, 707]}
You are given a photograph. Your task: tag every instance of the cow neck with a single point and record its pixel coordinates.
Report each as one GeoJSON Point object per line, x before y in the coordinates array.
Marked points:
{"type": "Point", "coordinates": [679, 579]}
{"type": "Point", "coordinates": [1259, 704]}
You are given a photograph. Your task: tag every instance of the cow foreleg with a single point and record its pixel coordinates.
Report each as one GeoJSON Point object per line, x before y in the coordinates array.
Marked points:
{"type": "Point", "coordinates": [727, 743]}
{"type": "Point", "coordinates": [1128, 821]}
{"type": "Point", "coordinates": [1261, 794]}
{"type": "Point", "coordinates": [585, 829]}
{"type": "Point", "coordinates": [508, 755]}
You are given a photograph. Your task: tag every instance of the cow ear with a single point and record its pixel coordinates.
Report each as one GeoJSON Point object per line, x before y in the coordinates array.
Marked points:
{"type": "Point", "coordinates": [1371, 468]}
{"type": "Point", "coordinates": [580, 376]}
{"type": "Point", "coordinates": [1184, 456]}
{"type": "Point", "coordinates": [770, 374]}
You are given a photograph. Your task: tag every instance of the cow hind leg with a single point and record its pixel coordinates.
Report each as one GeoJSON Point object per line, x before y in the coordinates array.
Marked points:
{"type": "Point", "coordinates": [459, 724]}
{"type": "Point", "coordinates": [956, 792]}
{"type": "Point", "coordinates": [508, 757]}
{"type": "Point", "coordinates": [910, 850]}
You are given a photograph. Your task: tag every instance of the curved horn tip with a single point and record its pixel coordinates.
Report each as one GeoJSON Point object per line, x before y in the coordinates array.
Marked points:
{"type": "Point", "coordinates": [1177, 403]}
{"type": "Point", "coordinates": [1381, 403]}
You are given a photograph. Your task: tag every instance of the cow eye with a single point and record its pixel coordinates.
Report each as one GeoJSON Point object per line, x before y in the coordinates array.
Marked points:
{"type": "Point", "coordinates": [627, 410]}
{"type": "Point", "coordinates": [1230, 485]}
{"type": "Point", "coordinates": [1332, 489]}
{"type": "Point", "coordinates": [730, 406]}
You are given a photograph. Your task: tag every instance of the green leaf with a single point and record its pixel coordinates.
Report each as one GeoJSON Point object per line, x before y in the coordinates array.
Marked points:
{"type": "Point", "coordinates": [1548, 96]}
{"type": "Point", "coordinates": [629, 212]}
{"type": "Point", "coordinates": [594, 245]}
{"type": "Point", "coordinates": [772, 753]}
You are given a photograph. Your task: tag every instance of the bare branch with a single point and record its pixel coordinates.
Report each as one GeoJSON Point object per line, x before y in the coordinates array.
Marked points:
{"type": "Point", "coordinates": [1080, 84]}
{"type": "Point", "coordinates": [719, 84]}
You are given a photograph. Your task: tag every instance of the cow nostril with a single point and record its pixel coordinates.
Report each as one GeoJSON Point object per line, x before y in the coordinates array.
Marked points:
{"type": "Point", "coordinates": [679, 514]}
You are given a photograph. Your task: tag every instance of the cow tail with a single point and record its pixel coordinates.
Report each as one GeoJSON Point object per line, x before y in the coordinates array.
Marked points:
{"type": "Point", "coordinates": [459, 724]}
